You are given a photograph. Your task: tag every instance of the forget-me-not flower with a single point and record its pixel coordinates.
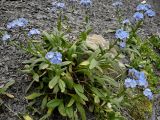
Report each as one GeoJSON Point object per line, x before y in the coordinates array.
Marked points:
{"type": "Point", "coordinates": [117, 4]}
{"type": "Point", "coordinates": [142, 81]}
{"type": "Point", "coordinates": [121, 34]}
{"type": "Point", "coordinates": [49, 55]}
{"type": "Point", "coordinates": [6, 37]}
{"type": "Point", "coordinates": [143, 7]}
{"type": "Point", "coordinates": [138, 16]}
{"type": "Point", "coordinates": [133, 73]}
{"type": "Point", "coordinates": [86, 2]}
{"type": "Point", "coordinates": [33, 31]}
{"type": "Point", "coordinates": [130, 83]}
{"type": "Point", "coordinates": [122, 44]}
{"type": "Point", "coordinates": [148, 93]}
{"type": "Point", "coordinates": [21, 22]}
{"type": "Point", "coordinates": [150, 13]}
{"type": "Point", "coordinates": [126, 21]}
{"type": "Point", "coordinates": [139, 76]}
{"type": "Point", "coordinates": [60, 5]}
{"type": "Point", "coordinates": [54, 57]}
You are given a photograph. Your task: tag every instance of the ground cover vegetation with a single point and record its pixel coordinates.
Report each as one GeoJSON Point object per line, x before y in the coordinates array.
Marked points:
{"type": "Point", "coordinates": [74, 77]}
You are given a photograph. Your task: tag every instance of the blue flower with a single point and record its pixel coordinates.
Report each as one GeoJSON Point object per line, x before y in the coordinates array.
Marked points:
{"type": "Point", "coordinates": [150, 13]}
{"type": "Point", "coordinates": [117, 4]}
{"type": "Point", "coordinates": [60, 5]}
{"type": "Point", "coordinates": [142, 80]}
{"type": "Point", "coordinates": [49, 55]}
{"type": "Point", "coordinates": [121, 34]}
{"type": "Point", "coordinates": [126, 21]}
{"type": "Point", "coordinates": [11, 25]}
{"type": "Point", "coordinates": [148, 93]}
{"type": "Point", "coordinates": [54, 57]}
{"type": "Point", "coordinates": [139, 76]}
{"type": "Point", "coordinates": [138, 16]}
{"type": "Point", "coordinates": [33, 31]}
{"type": "Point", "coordinates": [86, 2]}
{"type": "Point", "coordinates": [6, 37]}
{"type": "Point", "coordinates": [143, 7]}
{"type": "Point", "coordinates": [130, 83]}
{"type": "Point", "coordinates": [21, 22]}
{"type": "Point", "coordinates": [122, 44]}
{"type": "Point", "coordinates": [142, 83]}
{"type": "Point", "coordinates": [133, 73]}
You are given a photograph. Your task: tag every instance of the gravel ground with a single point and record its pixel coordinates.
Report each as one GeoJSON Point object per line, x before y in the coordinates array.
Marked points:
{"type": "Point", "coordinates": [39, 15]}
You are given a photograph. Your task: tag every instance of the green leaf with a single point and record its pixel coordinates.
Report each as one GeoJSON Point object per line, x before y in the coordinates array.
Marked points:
{"type": "Point", "coordinates": [36, 77]}
{"type": "Point", "coordinates": [61, 109]}
{"type": "Point", "coordinates": [78, 88]}
{"type": "Point", "coordinates": [11, 82]}
{"type": "Point", "coordinates": [37, 61]}
{"type": "Point", "coordinates": [44, 102]}
{"type": "Point", "coordinates": [69, 112]}
{"type": "Point", "coordinates": [93, 64]}
{"type": "Point", "coordinates": [54, 103]}
{"type": "Point", "coordinates": [110, 80]}
{"type": "Point", "coordinates": [81, 95]}
{"type": "Point", "coordinates": [81, 110]}
{"type": "Point", "coordinates": [53, 82]}
{"type": "Point", "coordinates": [33, 96]}
{"type": "Point", "coordinates": [84, 63]}
{"type": "Point", "coordinates": [56, 89]}
{"type": "Point", "coordinates": [65, 63]}
{"type": "Point", "coordinates": [77, 98]}
{"type": "Point", "coordinates": [96, 99]}
{"type": "Point", "coordinates": [68, 80]}
{"type": "Point", "coordinates": [43, 66]}
{"type": "Point", "coordinates": [97, 92]}
{"type": "Point", "coordinates": [72, 50]}
{"type": "Point", "coordinates": [62, 85]}
{"type": "Point", "coordinates": [117, 101]}
{"type": "Point", "coordinates": [29, 61]}
{"type": "Point", "coordinates": [71, 102]}
{"type": "Point", "coordinates": [27, 117]}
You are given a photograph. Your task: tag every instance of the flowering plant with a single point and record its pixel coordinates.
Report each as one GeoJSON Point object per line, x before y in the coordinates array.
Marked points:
{"type": "Point", "coordinates": [74, 76]}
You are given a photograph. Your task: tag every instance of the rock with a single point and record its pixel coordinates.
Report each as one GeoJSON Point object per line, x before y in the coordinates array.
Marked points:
{"type": "Point", "coordinates": [94, 41]}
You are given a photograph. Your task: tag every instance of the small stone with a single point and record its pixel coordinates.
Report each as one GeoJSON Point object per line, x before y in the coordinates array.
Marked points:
{"type": "Point", "coordinates": [94, 41]}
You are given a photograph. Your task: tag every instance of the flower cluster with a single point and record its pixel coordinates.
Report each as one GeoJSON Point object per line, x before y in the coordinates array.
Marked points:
{"type": "Point", "coordinates": [6, 37]}
{"type": "Point", "coordinates": [148, 93]}
{"type": "Point", "coordinates": [54, 57]}
{"type": "Point", "coordinates": [86, 2]}
{"type": "Point", "coordinates": [58, 5]}
{"type": "Point", "coordinates": [122, 35]}
{"type": "Point", "coordinates": [21, 22]}
{"type": "Point", "coordinates": [142, 9]}
{"type": "Point", "coordinates": [137, 78]}
{"type": "Point", "coordinates": [138, 16]}
{"type": "Point", "coordinates": [33, 31]}
{"type": "Point", "coordinates": [117, 4]}
{"type": "Point", "coordinates": [150, 13]}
